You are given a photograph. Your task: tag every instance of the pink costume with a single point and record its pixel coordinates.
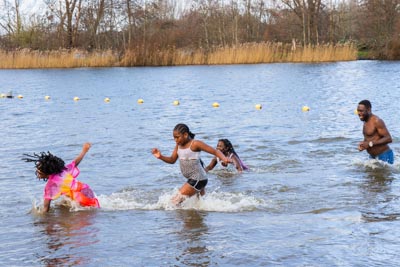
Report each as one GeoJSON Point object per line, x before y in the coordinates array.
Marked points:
{"type": "Point", "coordinates": [64, 183]}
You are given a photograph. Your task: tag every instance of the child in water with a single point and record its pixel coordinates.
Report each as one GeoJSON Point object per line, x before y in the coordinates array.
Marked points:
{"type": "Point", "coordinates": [225, 146]}
{"type": "Point", "coordinates": [61, 178]}
{"type": "Point", "coordinates": [188, 151]}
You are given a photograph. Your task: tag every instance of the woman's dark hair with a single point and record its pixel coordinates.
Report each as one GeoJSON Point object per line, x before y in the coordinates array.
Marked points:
{"type": "Point", "coordinates": [47, 163]}
{"type": "Point", "coordinates": [229, 146]}
{"type": "Point", "coordinates": [183, 128]}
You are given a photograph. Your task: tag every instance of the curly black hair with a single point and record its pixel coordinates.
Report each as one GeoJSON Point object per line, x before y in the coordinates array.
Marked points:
{"type": "Point", "coordinates": [46, 163]}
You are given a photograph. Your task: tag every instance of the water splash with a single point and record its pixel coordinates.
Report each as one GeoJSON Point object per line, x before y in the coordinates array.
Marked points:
{"type": "Point", "coordinates": [36, 210]}
{"type": "Point", "coordinates": [375, 164]}
{"type": "Point", "coordinates": [212, 201]}
{"type": "Point", "coordinates": [63, 202]}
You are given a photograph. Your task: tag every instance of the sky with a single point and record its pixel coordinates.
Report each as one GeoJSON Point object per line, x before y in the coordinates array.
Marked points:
{"type": "Point", "coordinates": [26, 6]}
{"type": "Point", "coordinates": [32, 6]}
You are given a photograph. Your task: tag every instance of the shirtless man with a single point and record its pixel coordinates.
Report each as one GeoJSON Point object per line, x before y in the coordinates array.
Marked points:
{"type": "Point", "coordinates": [376, 135]}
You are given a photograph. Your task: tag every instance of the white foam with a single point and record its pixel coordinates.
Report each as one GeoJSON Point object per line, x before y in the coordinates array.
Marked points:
{"type": "Point", "coordinates": [130, 199]}
{"type": "Point", "coordinates": [375, 164]}
{"type": "Point", "coordinates": [62, 202]}
{"type": "Point", "coordinates": [212, 201]}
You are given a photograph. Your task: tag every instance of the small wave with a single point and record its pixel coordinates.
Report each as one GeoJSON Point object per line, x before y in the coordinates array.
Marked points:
{"type": "Point", "coordinates": [320, 140]}
{"type": "Point", "coordinates": [212, 201]}
{"type": "Point", "coordinates": [379, 217]}
{"type": "Point", "coordinates": [374, 164]}
{"type": "Point", "coordinates": [319, 211]}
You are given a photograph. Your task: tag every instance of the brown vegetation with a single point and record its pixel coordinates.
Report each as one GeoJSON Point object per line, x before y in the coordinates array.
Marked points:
{"type": "Point", "coordinates": [169, 32]}
{"type": "Point", "coordinates": [242, 54]}
{"type": "Point", "coordinates": [28, 59]}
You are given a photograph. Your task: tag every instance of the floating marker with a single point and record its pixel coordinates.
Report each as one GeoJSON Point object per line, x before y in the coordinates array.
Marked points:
{"type": "Point", "coordinates": [47, 97]}
{"type": "Point", "coordinates": [258, 106]}
{"type": "Point", "coordinates": [140, 101]}
{"type": "Point", "coordinates": [176, 103]}
{"type": "Point", "coordinates": [106, 99]}
{"type": "Point", "coordinates": [305, 108]}
{"type": "Point", "coordinates": [215, 105]}
{"type": "Point", "coordinates": [76, 98]}
{"type": "Point", "coordinates": [355, 112]}
{"type": "Point", "coordinates": [20, 96]}
{"type": "Point", "coordinates": [3, 96]}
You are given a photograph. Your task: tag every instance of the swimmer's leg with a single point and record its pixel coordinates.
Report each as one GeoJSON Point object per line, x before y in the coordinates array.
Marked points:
{"type": "Point", "coordinates": [203, 192]}
{"type": "Point", "coordinates": [178, 199]}
{"type": "Point", "coordinates": [200, 193]}
{"type": "Point", "coordinates": [185, 192]}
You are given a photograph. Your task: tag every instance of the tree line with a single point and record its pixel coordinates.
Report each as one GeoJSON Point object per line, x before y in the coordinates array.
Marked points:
{"type": "Point", "coordinates": [159, 25]}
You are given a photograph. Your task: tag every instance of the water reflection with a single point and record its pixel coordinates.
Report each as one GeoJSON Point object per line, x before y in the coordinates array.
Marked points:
{"type": "Point", "coordinates": [378, 179]}
{"type": "Point", "coordinates": [192, 239]}
{"type": "Point", "coordinates": [378, 198]}
{"type": "Point", "coordinates": [66, 234]}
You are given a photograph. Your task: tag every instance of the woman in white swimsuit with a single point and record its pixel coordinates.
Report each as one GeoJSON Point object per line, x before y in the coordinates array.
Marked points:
{"type": "Point", "coordinates": [188, 151]}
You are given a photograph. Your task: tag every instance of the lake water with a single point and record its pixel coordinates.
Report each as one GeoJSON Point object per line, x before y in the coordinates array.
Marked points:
{"type": "Point", "coordinates": [309, 199]}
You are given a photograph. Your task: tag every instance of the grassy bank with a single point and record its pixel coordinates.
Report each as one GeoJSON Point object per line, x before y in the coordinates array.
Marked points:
{"type": "Point", "coordinates": [242, 54]}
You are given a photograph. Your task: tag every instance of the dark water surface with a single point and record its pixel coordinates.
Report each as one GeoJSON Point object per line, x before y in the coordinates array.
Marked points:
{"type": "Point", "coordinates": [309, 199]}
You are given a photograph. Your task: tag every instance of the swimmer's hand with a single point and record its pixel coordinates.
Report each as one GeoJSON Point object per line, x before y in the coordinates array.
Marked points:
{"type": "Point", "coordinates": [86, 147]}
{"type": "Point", "coordinates": [225, 161]}
{"type": "Point", "coordinates": [361, 146]}
{"type": "Point", "coordinates": [156, 153]}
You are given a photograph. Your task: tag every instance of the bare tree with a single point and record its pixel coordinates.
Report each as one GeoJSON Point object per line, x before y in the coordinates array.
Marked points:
{"type": "Point", "coordinates": [380, 18]}
{"type": "Point", "coordinates": [92, 15]}
{"type": "Point", "coordinates": [308, 12]}
{"type": "Point", "coordinates": [68, 13]}
{"type": "Point", "coordinates": [10, 18]}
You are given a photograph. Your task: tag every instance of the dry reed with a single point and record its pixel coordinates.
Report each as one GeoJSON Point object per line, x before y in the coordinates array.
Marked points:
{"type": "Point", "coordinates": [27, 59]}
{"type": "Point", "coordinates": [249, 53]}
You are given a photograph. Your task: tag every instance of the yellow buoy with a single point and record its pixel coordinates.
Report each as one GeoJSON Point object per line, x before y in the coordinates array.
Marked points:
{"type": "Point", "coordinates": [3, 96]}
{"type": "Point", "coordinates": [20, 96]}
{"type": "Point", "coordinates": [140, 101]}
{"type": "Point", "coordinates": [106, 99]}
{"type": "Point", "coordinates": [76, 98]}
{"type": "Point", "coordinates": [215, 104]}
{"type": "Point", "coordinates": [258, 106]}
{"type": "Point", "coordinates": [176, 103]}
{"type": "Point", "coordinates": [356, 112]}
{"type": "Point", "coordinates": [305, 108]}
{"type": "Point", "coordinates": [47, 97]}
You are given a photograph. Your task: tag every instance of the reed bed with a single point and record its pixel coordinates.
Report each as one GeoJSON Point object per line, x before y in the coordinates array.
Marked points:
{"type": "Point", "coordinates": [250, 53]}
{"type": "Point", "coordinates": [28, 59]}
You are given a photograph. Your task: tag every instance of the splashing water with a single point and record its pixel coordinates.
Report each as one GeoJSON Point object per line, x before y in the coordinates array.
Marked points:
{"type": "Point", "coordinates": [213, 201]}
{"type": "Point", "coordinates": [375, 164]}
{"type": "Point", "coordinates": [63, 202]}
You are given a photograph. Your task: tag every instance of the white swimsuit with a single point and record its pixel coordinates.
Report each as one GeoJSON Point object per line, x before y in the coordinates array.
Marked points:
{"type": "Point", "coordinates": [190, 164]}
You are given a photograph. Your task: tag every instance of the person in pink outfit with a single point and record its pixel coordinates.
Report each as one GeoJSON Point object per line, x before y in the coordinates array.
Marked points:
{"type": "Point", "coordinates": [61, 179]}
